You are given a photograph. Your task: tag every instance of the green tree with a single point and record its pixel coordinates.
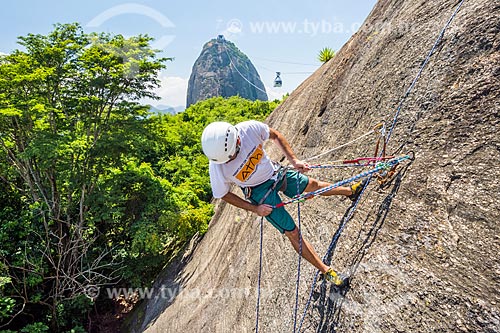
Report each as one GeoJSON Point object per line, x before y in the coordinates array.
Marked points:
{"type": "Point", "coordinates": [326, 54]}
{"type": "Point", "coordinates": [68, 111]}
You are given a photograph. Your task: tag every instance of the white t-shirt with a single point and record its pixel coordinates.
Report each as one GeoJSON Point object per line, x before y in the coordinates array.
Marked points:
{"type": "Point", "coordinates": [251, 167]}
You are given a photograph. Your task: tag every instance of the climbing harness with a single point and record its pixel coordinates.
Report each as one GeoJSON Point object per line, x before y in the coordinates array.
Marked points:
{"type": "Point", "coordinates": [278, 175]}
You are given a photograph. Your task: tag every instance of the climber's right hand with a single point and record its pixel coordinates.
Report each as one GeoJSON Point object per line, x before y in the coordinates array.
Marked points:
{"type": "Point", "coordinates": [263, 210]}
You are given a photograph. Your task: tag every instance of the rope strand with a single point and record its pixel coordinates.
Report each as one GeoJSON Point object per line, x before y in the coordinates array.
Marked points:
{"type": "Point", "coordinates": [259, 276]}
{"type": "Point", "coordinates": [339, 147]}
{"type": "Point", "coordinates": [299, 260]}
{"type": "Point", "coordinates": [421, 70]}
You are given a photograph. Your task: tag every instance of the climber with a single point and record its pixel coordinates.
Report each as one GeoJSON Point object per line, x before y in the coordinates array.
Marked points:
{"type": "Point", "coordinates": [237, 156]}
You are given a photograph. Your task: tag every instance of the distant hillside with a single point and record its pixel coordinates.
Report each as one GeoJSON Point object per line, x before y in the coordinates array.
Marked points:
{"type": "Point", "coordinates": [223, 70]}
{"type": "Point", "coordinates": [164, 109]}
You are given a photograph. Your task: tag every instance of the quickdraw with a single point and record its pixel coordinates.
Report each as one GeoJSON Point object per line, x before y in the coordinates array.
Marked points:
{"type": "Point", "coordinates": [386, 176]}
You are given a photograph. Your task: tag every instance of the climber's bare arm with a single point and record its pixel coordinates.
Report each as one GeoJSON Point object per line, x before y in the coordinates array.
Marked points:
{"type": "Point", "coordinates": [284, 146]}
{"type": "Point", "coordinates": [233, 199]}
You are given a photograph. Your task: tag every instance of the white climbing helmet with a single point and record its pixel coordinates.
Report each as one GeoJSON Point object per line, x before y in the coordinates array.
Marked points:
{"type": "Point", "coordinates": [219, 141]}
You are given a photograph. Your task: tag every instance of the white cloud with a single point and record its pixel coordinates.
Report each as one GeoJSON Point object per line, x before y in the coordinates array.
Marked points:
{"type": "Point", "coordinates": [2, 54]}
{"type": "Point", "coordinates": [172, 91]}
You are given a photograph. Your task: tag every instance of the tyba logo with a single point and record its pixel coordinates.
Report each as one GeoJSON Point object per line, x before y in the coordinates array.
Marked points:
{"type": "Point", "coordinates": [250, 165]}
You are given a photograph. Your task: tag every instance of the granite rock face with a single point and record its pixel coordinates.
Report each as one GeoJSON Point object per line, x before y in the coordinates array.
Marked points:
{"type": "Point", "coordinates": [223, 70]}
{"type": "Point", "coordinates": [423, 252]}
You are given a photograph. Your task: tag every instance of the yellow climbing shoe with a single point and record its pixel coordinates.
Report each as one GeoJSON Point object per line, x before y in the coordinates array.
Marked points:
{"type": "Point", "coordinates": [357, 188]}
{"type": "Point", "coordinates": [335, 278]}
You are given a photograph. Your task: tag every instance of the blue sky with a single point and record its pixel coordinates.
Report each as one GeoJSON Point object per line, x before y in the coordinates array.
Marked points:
{"type": "Point", "coordinates": [275, 35]}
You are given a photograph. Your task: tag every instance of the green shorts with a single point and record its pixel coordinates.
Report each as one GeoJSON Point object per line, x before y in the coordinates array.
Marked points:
{"type": "Point", "coordinates": [279, 217]}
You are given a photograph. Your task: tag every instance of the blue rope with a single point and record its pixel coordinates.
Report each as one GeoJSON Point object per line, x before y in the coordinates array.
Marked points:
{"type": "Point", "coordinates": [299, 260]}
{"type": "Point", "coordinates": [258, 279]}
{"type": "Point", "coordinates": [422, 67]}
{"type": "Point", "coordinates": [380, 166]}
{"type": "Point", "coordinates": [332, 245]}
{"type": "Point", "coordinates": [400, 106]}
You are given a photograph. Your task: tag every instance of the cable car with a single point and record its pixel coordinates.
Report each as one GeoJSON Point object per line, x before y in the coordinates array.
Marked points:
{"type": "Point", "coordinates": [277, 80]}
